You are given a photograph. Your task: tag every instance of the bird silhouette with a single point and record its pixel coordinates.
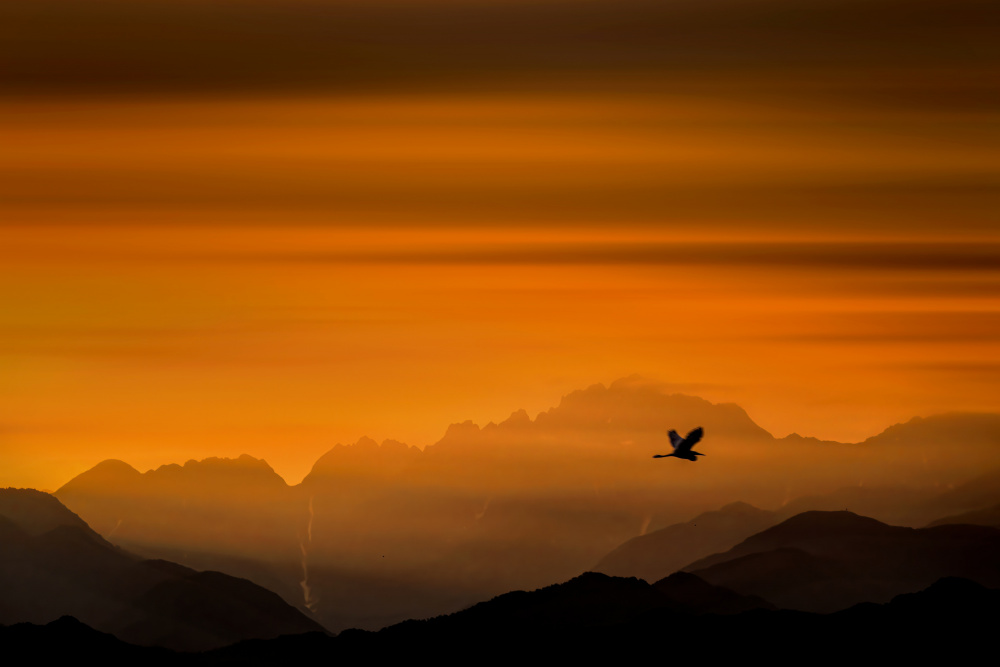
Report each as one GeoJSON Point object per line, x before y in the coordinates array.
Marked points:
{"type": "Point", "coordinates": [682, 446]}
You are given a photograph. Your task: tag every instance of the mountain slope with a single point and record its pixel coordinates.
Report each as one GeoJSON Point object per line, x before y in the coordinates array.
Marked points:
{"type": "Point", "coordinates": [825, 561]}
{"type": "Point", "coordinates": [662, 552]}
{"type": "Point", "coordinates": [52, 565]}
{"type": "Point", "coordinates": [989, 516]}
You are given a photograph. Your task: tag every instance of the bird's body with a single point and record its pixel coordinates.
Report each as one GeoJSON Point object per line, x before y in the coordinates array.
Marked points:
{"type": "Point", "coordinates": [682, 446]}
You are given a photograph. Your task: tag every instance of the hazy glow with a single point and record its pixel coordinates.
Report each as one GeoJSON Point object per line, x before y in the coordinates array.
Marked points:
{"type": "Point", "coordinates": [182, 279]}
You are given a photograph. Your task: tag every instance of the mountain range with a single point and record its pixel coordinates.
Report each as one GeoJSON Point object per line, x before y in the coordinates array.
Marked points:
{"type": "Point", "coordinates": [377, 534]}
{"type": "Point", "coordinates": [877, 584]}
{"type": "Point", "coordinates": [828, 561]}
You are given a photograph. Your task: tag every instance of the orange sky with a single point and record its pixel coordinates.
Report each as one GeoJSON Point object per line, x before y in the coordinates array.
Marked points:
{"type": "Point", "coordinates": [265, 227]}
{"type": "Point", "coordinates": [190, 277]}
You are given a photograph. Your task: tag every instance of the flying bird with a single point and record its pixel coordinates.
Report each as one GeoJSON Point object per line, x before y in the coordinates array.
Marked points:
{"type": "Point", "coordinates": [682, 446]}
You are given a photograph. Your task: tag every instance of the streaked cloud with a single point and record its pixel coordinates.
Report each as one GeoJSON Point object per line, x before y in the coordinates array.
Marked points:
{"type": "Point", "coordinates": [819, 256]}
{"type": "Point", "coordinates": [229, 48]}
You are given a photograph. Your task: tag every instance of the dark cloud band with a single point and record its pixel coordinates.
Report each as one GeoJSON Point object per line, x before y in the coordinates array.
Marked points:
{"type": "Point", "coordinates": [872, 256]}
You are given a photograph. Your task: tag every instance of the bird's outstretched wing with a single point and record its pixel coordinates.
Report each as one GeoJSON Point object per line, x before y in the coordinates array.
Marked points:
{"type": "Point", "coordinates": [675, 439]}
{"type": "Point", "coordinates": [692, 438]}
{"type": "Point", "coordinates": [685, 445]}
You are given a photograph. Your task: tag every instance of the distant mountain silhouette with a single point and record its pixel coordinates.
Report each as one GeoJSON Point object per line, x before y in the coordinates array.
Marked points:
{"type": "Point", "coordinates": [956, 429]}
{"type": "Point", "coordinates": [941, 449]}
{"type": "Point", "coordinates": [52, 564]}
{"type": "Point", "coordinates": [234, 515]}
{"type": "Point", "coordinates": [825, 561]}
{"type": "Point", "coordinates": [911, 505]}
{"type": "Point", "coordinates": [662, 552]}
{"type": "Point", "coordinates": [365, 459]}
{"type": "Point", "coordinates": [589, 600]}
{"type": "Point", "coordinates": [166, 499]}
{"type": "Point", "coordinates": [895, 505]}
{"type": "Point", "coordinates": [989, 516]}
{"type": "Point", "coordinates": [980, 492]}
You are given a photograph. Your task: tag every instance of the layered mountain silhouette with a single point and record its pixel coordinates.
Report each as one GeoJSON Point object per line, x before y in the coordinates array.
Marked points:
{"type": "Point", "coordinates": [980, 492]}
{"type": "Point", "coordinates": [662, 552]}
{"type": "Point", "coordinates": [380, 533]}
{"type": "Point", "coordinates": [989, 516]}
{"type": "Point", "coordinates": [65, 587]}
{"type": "Point", "coordinates": [658, 553]}
{"type": "Point", "coordinates": [233, 515]}
{"type": "Point", "coordinates": [52, 565]}
{"type": "Point", "coordinates": [827, 561]}
{"type": "Point", "coordinates": [594, 617]}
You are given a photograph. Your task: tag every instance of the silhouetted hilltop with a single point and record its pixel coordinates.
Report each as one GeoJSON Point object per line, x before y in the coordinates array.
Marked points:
{"type": "Point", "coordinates": [662, 552]}
{"type": "Point", "coordinates": [71, 570]}
{"type": "Point", "coordinates": [826, 528]}
{"type": "Point", "coordinates": [824, 561]}
{"type": "Point", "coordinates": [35, 512]}
{"type": "Point", "coordinates": [910, 505]}
{"type": "Point", "coordinates": [895, 505]}
{"type": "Point", "coordinates": [589, 600]}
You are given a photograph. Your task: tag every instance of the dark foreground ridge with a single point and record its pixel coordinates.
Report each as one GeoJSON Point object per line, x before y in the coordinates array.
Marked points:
{"type": "Point", "coordinates": [593, 617]}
